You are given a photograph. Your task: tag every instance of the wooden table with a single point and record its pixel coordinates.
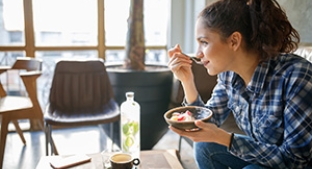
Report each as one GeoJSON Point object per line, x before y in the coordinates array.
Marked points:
{"type": "Point", "coordinates": [151, 159]}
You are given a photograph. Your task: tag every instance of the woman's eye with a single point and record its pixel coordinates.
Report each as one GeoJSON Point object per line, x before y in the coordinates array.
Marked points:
{"type": "Point", "coordinates": [204, 42]}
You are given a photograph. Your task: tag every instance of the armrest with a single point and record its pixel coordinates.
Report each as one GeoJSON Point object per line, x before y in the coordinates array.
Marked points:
{"type": "Point", "coordinates": [30, 73]}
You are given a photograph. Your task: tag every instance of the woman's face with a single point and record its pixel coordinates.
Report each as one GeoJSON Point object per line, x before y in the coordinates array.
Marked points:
{"type": "Point", "coordinates": [214, 52]}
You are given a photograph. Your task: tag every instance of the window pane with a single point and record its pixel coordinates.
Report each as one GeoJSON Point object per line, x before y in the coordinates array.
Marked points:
{"type": "Point", "coordinates": [11, 22]}
{"type": "Point", "coordinates": [156, 15]}
{"type": "Point", "coordinates": [65, 22]}
{"type": "Point", "coordinates": [7, 58]}
{"type": "Point", "coordinates": [156, 57]}
{"type": "Point", "coordinates": [155, 21]}
{"type": "Point", "coordinates": [115, 55]}
{"type": "Point", "coordinates": [116, 15]}
{"type": "Point", "coordinates": [152, 56]}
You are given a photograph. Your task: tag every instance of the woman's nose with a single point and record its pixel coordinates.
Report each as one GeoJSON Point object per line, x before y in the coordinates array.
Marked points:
{"type": "Point", "coordinates": [199, 54]}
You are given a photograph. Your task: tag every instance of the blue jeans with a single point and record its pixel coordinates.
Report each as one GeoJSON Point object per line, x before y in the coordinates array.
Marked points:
{"type": "Point", "coordinates": [215, 156]}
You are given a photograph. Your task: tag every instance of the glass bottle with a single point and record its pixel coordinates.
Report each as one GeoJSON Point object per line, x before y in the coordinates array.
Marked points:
{"type": "Point", "coordinates": [130, 126]}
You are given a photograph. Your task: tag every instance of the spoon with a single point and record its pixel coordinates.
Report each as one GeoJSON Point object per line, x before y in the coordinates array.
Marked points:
{"type": "Point", "coordinates": [195, 59]}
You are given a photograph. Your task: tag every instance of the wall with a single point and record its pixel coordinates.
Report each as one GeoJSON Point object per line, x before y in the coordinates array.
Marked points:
{"type": "Point", "coordinates": [300, 15]}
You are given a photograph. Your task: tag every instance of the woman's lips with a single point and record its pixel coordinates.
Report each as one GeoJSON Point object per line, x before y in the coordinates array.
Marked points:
{"type": "Point", "coordinates": [206, 63]}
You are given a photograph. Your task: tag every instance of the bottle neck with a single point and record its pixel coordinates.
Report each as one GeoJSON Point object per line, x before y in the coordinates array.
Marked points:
{"type": "Point", "coordinates": [130, 99]}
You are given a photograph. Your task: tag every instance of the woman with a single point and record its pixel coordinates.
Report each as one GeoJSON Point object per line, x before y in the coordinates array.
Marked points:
{"type": "Point", "coordinates": [248, 45]}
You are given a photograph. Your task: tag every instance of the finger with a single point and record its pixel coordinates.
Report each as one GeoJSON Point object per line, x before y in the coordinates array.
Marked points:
{"type": "Point", "coordinates": [176, 130]}
{"type": "Point", "coordinates": [182, 57]}
{"type": "Point", "coordinates": [178, 47]}
{"type": "Point", "coordinates": [201, 124]}
{"type": "Point", "coordinates": [175, 49]}
{"type": "Point", "coordinates": [177, 65]}
{"type": "Point", "coordinates": [178, 58]}
{"type": "Point", "coordinates": [171, 52]}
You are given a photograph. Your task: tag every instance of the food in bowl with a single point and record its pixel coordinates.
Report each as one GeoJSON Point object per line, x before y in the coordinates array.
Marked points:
{"type": "Point", "coordinates": [196, 112]}
{"type": "Point", "coordinates": [183, 116]}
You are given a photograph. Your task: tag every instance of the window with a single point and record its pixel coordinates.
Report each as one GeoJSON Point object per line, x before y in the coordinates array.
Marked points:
{"type": "Point", "coordinates": [53, 29]}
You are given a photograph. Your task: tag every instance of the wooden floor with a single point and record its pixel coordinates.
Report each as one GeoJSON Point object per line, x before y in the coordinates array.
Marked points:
{"type": "Point", "coordinates": [80, 140]}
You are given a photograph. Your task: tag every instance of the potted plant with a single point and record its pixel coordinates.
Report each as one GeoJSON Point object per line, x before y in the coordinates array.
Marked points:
{"type": "Point", "coordinates": [150, 83]}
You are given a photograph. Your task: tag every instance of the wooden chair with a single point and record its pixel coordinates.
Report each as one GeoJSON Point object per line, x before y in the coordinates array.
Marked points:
{"type": "Point", "coordinates": [13, 108]}
{"type": "Point", "coordinates": [80, 95]}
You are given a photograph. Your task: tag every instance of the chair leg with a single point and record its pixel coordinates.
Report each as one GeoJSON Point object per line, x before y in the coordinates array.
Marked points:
{"type": "Point", "coordinates": [47, 141]}
{"type": "Point", "coordinates": [4, 131]}
{"type": "Point", "coordinates": [54, 147]}
{"type": "Point", "coordinates": [112, 134]}
{"type": "Point", "coordinates": [19, 131]}
{"type": "Point", "coordinates": [180, 142]}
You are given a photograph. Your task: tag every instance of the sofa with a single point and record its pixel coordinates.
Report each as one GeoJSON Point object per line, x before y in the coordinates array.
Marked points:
{"type": "Point", "coordinates": [305, 51]}
{"type": "Point", "coordinates": [205, 84]}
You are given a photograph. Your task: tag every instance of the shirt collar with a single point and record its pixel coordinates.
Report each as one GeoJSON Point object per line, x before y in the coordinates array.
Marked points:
{"type": "Point", "coordinates": [257, 80]}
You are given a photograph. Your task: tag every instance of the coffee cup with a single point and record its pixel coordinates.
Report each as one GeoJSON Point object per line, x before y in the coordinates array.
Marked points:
{"type": "Point", "coordinates": [123, 161]}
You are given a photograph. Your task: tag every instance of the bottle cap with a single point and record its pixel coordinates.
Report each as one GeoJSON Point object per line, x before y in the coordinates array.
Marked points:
{"type": "Point", "coordinates": [129, 94]}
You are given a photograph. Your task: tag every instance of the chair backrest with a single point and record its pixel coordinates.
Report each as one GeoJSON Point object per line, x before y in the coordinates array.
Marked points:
{"type": "Point", "coordinates": [80, 86]}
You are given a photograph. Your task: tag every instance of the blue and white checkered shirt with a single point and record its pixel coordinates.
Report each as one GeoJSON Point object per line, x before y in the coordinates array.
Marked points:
{"type": "Point", "coordinates": [274, 110]}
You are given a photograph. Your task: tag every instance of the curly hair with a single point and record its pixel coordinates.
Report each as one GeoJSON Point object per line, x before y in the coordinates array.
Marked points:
{"type": "Point", "coordinates": [263, 24]}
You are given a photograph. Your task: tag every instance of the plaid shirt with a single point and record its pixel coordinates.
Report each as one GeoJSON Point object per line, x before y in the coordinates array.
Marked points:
{"type": "Point", "coordinates": [274, 110]}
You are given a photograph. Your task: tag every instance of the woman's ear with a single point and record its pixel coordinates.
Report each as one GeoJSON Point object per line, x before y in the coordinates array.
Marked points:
{"type": "Point", "coordinates": [235, 40]}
